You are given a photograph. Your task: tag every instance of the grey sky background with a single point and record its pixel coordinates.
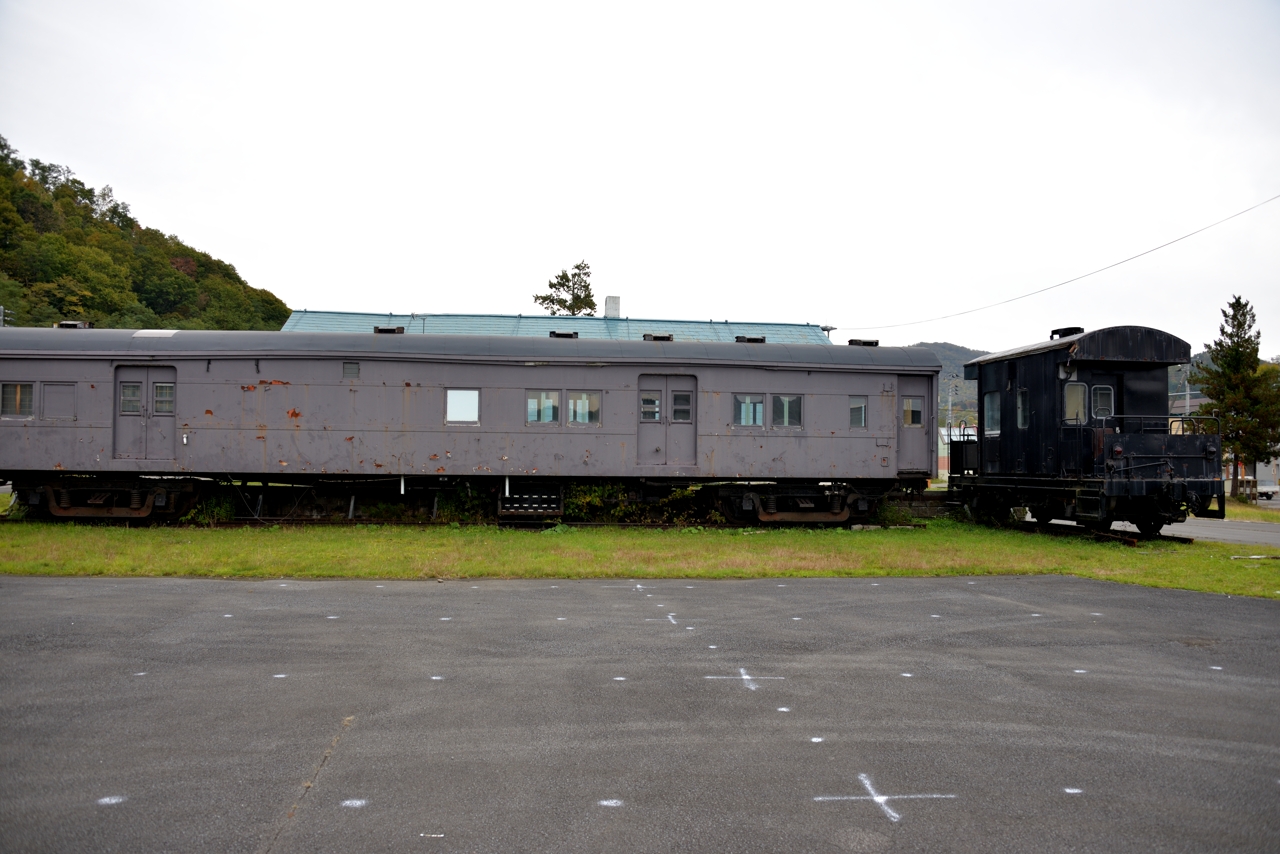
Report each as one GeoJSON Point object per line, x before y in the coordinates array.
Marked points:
{"type": "Point", "coordinates": [851, 164]}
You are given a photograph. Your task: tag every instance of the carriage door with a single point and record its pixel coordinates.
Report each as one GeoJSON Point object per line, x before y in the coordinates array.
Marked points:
{"type": "Point", "coordinates": [914, 431]}
{"type": "Point", "coordinates": [145, 404]}
{"type": "Point", "coordinates": [667, 432]}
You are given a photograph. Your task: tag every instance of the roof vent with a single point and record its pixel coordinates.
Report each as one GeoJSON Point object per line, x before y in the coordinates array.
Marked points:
{"type": "Point", "coordinates": [555, 334]}
{"type": "Point", "coordinates": [613, 306]}
{"type": "Point", "coordinates": [73, 324]}
{"type": "Point", "coordinates": [388, 330]}
{"type": "Point", "coordinates": [1065, 331]}
{"type": "Point", "coordinates": [659, 336]}
{"type": "Point", "coordinates": [864, 342]}
{"type": "Point", "coordinates": [749, 339]}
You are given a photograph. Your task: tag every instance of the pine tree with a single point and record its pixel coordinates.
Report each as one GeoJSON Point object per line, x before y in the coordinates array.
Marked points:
{"type": "Point", "coordinates": [569, 293]}
{"type": "Point", "coordinates": [1246, 398]}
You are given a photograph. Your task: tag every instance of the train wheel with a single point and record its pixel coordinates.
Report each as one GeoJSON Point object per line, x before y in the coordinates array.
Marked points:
{"type": "Point", "coordinates": [1149, 527]}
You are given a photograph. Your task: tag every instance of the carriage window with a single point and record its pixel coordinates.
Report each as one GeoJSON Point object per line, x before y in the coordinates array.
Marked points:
{"type": "Point", "coordinates": [913, 411]}
{"type": "Point", "coordinates": [130, 398]}
{"type": "Point", "coordinates": [650, 406]}
{"type": "Point", "coordinates": [857, 410]}
{"type": "Point", "coordinates": [542, 407]}
{"type": "Point", "coordinates": [681, 406]}
{"type": "Point", "coordinates": [584, 407]}
{"type": "Point", "coordinates": [1102, 402]}
{"type": "Point", "coordinates": [1024, 409]}
{"type": "Point", "coordinates": [1073, 409]}
{"type": "Point", "coordinates": [351, 370]}
{"type": "Point", "coordinates": [462, 405]}
{"type": "Point", "coordinates": [748, 410]}
{"type": "Point", "coordinates": [786, 410]}
{"type": "Point", "coordinates": [991, 413]}
{"type": "Point", "coordinates": [16, 398]}
{"type": "Point", "coordinates": [162, 399]}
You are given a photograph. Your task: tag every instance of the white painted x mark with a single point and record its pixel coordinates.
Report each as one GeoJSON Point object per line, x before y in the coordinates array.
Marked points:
{"type": "Point", "coordinates": [881, 800]}
{"type": "Point", "coordinates": [747, 680]}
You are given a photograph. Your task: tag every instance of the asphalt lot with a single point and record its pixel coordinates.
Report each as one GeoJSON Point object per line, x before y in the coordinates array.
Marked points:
{"type": "Point", "coordinates": [1223, 531]}
{"type": "Point", "coordinates": [813, 715]}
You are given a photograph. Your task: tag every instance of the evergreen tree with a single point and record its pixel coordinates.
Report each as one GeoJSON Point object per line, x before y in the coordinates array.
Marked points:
{"type": "Point", "coordinates": [569, 293]}
{"type": "Point", "coordinates": [1245, 397]}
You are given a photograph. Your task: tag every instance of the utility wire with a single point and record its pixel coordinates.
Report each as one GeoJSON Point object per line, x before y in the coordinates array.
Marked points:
{"type": "Point", "coordinates": [1068, 281]}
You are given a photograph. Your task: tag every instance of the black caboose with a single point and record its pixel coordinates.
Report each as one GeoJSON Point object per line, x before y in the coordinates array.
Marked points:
{"type": "Point", "coordinates": [1078, 428]}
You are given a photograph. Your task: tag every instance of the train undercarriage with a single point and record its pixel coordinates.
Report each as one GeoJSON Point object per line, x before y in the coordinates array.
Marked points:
{"type": "Point", "coordinates": [160, 499]}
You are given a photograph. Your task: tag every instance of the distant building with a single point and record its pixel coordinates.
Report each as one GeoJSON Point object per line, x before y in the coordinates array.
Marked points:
{"type": "Point", "coordinates": [541, 326]}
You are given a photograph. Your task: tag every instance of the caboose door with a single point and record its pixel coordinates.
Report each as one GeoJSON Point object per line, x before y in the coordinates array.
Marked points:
{"type": "Point", "coordinates": [914, 428]}
{"type": "Point", "coordinates": [667, 432]}
{"type": "Point", "coordinates": [145, 404]}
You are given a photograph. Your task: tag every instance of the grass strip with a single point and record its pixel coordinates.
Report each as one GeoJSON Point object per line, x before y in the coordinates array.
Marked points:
{"type": "Point", "coordinates": [944, 548]}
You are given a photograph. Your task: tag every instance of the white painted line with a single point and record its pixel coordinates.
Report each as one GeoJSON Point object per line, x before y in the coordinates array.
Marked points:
{"type": "Point", "coordinates": [672, 618]}
{"type": "Point", "coordinates": [473, 587]}
{"type": "Point", "coordinates": [1094, 614]}
{"type": "Point", "coordinates": [436, 678]}
{"type": "Point", "coordinates": [143, 673]}
{"type": "Point", "coordinates": [1082, 671]}
{"type": "Point", "coordinates": [562, 618]}
{"type": "Point", "coordinates": [355, 803]}
{"type": "Point", "coordinates": [747, 680]}
{"type": "Point", "coordinates": [875, 584]}
{"type": "Point", "coordinates": [554, 586]}
{"type": "Point", "coordinates": [1214, 667]}
{"type": "Point", "coordinates": [611, 802]}
{"type": "Point", "coordinates": [110, 800]}
{"type": "Point", "coordinates": [816, 739]}
{"type": "Point", "coordinates": [936, 616]}
{"type": "Point", "coordinates": [280, 676]}
{"type": "Point", "coordinates": [973, 582]}
{"type": "Point", "coordinates": [1035, 615]}
{"type": "Point", "coordinates": [690, 628]}
{"type": "Point", "coordinates": [906, 674]}
{"type": "Point", "coordinates": [783, 709]}
{"type": "Point", "coordinates": [879, 799]}
{"type": "Point", "coordinates": [688, 587]}
{"type": "Point", "coordinates": [1073, 791]}
{"type": "Point", "coordinates": [284, 585]}
{"type": "Point", "coordinates": [795, 618]}
{"type": "Point", "coordinates": [226, 615]}
{"type": "Point", "coordinates": [619, 679]}
{"type": "Point", "coordinates": [446, 618]}
{"type": "Point", "coordinates": [432, 835]}
{"type": "Point", "coordinates": [782, 585]}
{"type": "Point", "coordinates": [711, 647]}
{"type": "Point", "coordinates": [379, 585]}
{"type": "Point", "coordinates": [331, 618]}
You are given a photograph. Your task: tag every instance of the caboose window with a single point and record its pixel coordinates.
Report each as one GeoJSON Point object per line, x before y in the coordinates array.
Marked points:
{"type": "Point", "coordinates": [584, 407]}
{"type": "Point", "coordinates": [130, 398]}
{"type": "Point", "coordinates": [786, 410]}
{"type": "Point", "coordinates": [462, 405]}
{"type": "Point", "coordinates": [542, 407]}
{"type": "Point", "coordinates": [991, 413]}
{"type": "Point", "coordinates": [1103, 407]}
{"type": "Point", "coordinates": [1024, 409]}
{"type": "Point", "coordinates": [351, 370]}
{"type": "Point", "coordinates": [857, 410]}
{"type": "Point", "coordinates": [650, 406]}
{"type": "Point", "coordinates": [681, 406]}
{"type": "Point", "coordinates": [1073, 408]}
{"type": "Point", "coordinates": [748, 410]}
{"type": "Point", "coordinates": [913, 411]}
{"type": "Point", "coordinates": [163, 399]}
{"type": "Point", "coordinates": [16, 399]}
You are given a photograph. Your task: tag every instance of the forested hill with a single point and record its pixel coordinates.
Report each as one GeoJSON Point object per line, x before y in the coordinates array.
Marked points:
{"type": "Point", "coordinates": [69, 252]}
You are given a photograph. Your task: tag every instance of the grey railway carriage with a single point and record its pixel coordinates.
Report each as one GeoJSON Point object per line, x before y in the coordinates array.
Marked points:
{"type": "Point", "coordinates": [125, 424]}
{"type": "Point", "coordinates": [1078, 427]}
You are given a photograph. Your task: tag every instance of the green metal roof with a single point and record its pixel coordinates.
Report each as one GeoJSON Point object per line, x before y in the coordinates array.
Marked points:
{"type": "Point", "coordinates": [540, 326]}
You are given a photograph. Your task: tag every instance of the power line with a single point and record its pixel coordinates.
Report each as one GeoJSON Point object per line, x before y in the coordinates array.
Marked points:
{"type": "Point", "coordinates": [1068, 281]}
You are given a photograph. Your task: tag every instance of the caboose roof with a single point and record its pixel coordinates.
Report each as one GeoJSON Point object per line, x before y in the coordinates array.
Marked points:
{"type": "Point", "coordinates": [539, 325]}
{"type": "Point", "coordinates": [147, 344]}
{"type": "Point", "coordinates": [1112, 344]}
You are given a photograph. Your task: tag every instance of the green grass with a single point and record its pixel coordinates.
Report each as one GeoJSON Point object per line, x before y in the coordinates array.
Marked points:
{"type": "Point", "coordinates": [944, 548]}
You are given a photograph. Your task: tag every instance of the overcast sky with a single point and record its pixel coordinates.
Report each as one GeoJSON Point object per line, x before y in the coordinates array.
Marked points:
{"type": "Point", "coordinates": [851, 164]}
